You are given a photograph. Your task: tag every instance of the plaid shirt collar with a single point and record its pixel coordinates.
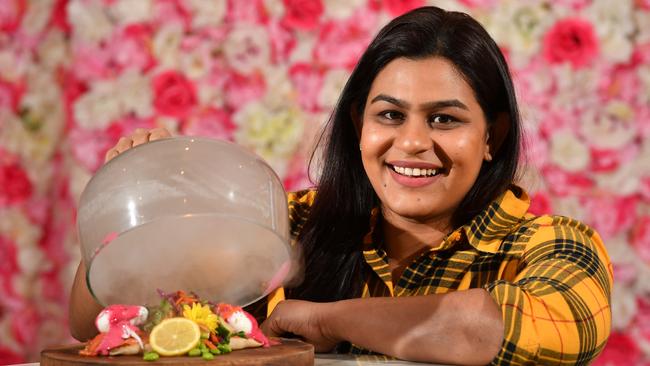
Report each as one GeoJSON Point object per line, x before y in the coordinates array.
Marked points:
{"type": "Point", "coordinates": [485, 232]}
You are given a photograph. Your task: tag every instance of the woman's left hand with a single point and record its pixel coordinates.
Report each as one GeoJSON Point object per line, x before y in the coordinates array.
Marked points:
{"type": "Point", "coordinates": [302, 318]}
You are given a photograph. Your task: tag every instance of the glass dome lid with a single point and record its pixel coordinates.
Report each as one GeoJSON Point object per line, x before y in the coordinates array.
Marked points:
{"type": "Point", "coordinates": [184, 213]}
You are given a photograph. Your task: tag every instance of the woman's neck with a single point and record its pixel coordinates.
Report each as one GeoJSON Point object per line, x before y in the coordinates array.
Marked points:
{"type": "Point", "coordinates": [404, 239]}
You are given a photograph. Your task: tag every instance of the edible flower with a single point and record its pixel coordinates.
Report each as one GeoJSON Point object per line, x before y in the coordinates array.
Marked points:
{"type": "Point", "coordinates": [202, 315]}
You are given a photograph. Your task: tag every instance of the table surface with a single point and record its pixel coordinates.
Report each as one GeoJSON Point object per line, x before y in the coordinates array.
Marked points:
{"type": "Point", "coordinates": [335, 360]}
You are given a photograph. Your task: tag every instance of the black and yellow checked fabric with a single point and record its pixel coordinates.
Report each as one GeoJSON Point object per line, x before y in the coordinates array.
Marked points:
{"type": "Point", "coordinates": [550, 275]}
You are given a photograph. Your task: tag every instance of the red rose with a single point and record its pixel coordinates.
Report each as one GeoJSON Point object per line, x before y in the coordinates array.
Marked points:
{"type": "Point", "coordinates": [174, 94]}
{"type": "Point", "coordinates": [302, 14]}
{"type": "Point", "coordinates": [399, 7]}
{"type": "Point", "coordinates": [15, 186]}
{"type": "Point", "coordinates": [571, 40]}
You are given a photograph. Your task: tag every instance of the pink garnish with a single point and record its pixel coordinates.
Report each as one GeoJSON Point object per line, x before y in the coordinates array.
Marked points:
{"type": "Point", "coordinates": [118, 322]}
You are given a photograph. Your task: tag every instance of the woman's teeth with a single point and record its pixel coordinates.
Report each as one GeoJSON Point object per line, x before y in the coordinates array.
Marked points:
{"type": "Point", "coordinates": [415, 172]}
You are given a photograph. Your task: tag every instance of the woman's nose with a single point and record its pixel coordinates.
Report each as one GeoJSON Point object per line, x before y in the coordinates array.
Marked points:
{"type": "Point", "coordinates": [414, 137]}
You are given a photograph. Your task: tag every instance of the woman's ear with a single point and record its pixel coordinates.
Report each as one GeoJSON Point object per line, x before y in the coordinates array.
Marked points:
{"type": "Point", "coordinates": [496, 134]}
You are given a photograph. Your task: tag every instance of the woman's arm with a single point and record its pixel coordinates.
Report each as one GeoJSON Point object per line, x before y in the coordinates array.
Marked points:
{"type": "Point", "coordinates": [463, 327]}
{"type": "Point", "coordinates": [83, 308]}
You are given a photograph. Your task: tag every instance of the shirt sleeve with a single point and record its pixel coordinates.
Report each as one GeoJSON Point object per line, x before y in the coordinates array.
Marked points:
{"type": "Point", "coordinates": [557, 308]}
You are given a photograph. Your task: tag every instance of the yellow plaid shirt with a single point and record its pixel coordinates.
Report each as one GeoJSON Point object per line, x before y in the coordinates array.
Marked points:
{"type": "Point", "coordinates": [550, 275]}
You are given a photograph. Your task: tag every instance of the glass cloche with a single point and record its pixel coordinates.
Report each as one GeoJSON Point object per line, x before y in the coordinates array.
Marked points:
{"type": "Point", "coordinates": [184, 213]}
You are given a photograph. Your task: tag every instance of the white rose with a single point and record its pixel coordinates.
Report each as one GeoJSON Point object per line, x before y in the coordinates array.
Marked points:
{"type": "Point", "coordinates": [623, 307]}
{"type": "Point", "coordinates": [197, 63]}
{"type": "Point", "coordinates": [208, 94]}
{"type": "Point", "coordinates": [569, 206]}
{"type": "Point", "coordinates": [520, 25]}
{"type": "Point", "coordinates": [614, 28]}
{"type": "Point", "coordinates": [575, 88]}
{"type": "Point", "coordinates": [78, 178]}
{"type": "Point", "coordinates": [166, 45]}
{"type": "Point", "coordinates": [611, 127]}
{"type": "Point", "coordinates": [568, 152]}
{"type": "Point", "coordinates": [99, 106]}
{"type": "Point", "coordinates": [13, 68]}
{"type": "Point", "coordinates": [275, 8]}
{"type": "Point", "coordinates": [303, 50]}
{"type": "Point", "coordinates": [642, 19]}
{"type": "Point", "coordinates": [31, 261]}
{"type": "Point", "coordinates": [90, 21]}
{"type": "Point", "coordinates": [36, 17]}
{"type": "Point", "coordinates": [53, 51]}
{"type": "Point", "coordinates": [247, 48]}
{"type": "Point", "coordinates": [131, 11]}
{"type": "Point", "coordinates": [207, 13]}
{"type": "Point", "coordinates": [643, 71]}
{"type": "Point", "coordinates": [333, 84]}
{"type": "Point", "coordinates": [624, 180]}
{"type": "Point", "coordinates": [134, 94]}
{"type": "Point", "coordinates": [341, 9]}
{"type": "Point", "coordinates": [272, 132]}
{"type": "Point", "coordinates": [17, 227]}
{"type": "Point", "coordinates": [280, 90]}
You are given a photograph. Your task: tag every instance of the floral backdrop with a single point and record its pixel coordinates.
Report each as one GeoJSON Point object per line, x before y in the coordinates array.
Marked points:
{"type": "Point", "coordinates": [75, 75]}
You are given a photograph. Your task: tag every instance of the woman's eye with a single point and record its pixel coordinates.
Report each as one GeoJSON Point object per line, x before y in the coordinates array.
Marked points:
{"type": "Point", "coordinates": [392, 115]}
{"type": "Point", "coordinates": [442, 118]}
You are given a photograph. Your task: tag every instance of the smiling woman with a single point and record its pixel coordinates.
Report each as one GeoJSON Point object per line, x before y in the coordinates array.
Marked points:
{"type": "Point", "coordinates": [417, 241]}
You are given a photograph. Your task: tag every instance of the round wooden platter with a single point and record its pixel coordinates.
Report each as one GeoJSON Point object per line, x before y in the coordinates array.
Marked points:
{"type": "Point", "coordinates": [290, 352]}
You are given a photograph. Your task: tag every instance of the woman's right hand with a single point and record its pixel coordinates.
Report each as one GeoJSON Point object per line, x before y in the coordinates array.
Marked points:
{"type": "Point", "coordinates": [138, 137]}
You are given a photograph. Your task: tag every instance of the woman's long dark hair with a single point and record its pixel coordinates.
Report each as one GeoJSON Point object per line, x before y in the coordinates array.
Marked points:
{"type": "Point", "coordinates": [332, 236]}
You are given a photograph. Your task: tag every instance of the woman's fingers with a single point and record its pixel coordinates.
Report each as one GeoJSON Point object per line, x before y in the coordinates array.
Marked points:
{"type": "Point", "coordinates": [159, 133]}
{"type": "Point", "coordinates": [138, 137]}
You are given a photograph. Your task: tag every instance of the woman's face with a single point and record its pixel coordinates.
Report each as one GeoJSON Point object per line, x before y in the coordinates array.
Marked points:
{"type": "Point", "coordinates": [423, 139]}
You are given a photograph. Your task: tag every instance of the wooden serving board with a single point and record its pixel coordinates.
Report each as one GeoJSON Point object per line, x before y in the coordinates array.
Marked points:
{"type": "Point", "coordinates": [290, 352]}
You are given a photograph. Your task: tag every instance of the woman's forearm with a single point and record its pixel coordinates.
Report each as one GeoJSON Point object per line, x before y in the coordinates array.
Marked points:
{"type": "Point", "coordinates": [463, 327]}
{"type": "Point", "coordinates": [83, 308]}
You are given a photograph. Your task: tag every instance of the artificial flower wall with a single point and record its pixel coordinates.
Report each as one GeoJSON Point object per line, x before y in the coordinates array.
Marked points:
{"type": "Point", "coordinates": [75, 75]}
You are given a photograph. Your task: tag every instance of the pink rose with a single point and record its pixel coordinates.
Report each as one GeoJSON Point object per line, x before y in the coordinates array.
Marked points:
{"type": "Point", "coordinates": [640, 237]}
{"type": "Point", "coordinates": [174, 94]}
{"type": "Point", "coordinates": [11, 14]}
{"type": "Point", "coordinates": [571, 40]}
{"type": "Point", "coordinates": [341, 43]}
{"type": "Point", "coordinates": [624, 274]}
{"type": "Point", "coordinates": [573, 4]}
{"type": "Point", "coordinates": [540, 204]}
{"type": "Point", "coordinates": [130, 48]}
{"type": "Point", "coordinates": [621, 349]}
{"type": "Point", "coordinates": [240, 89]}
{"type": "Point", "coordinates": [10, 95]}
{"type": "Point", "coordinates": [249, 11]}
{"type": "Point", "coordinates": [563, 183]}
{"type": "Point", "coordinates": [171, 12]}
{"type": "Point", "coordinates": [282, 42]}
{"type": "Point", "coordinates": [399, 7]}
{"type": "Point", "coordinates": [642, 318]}
{"type": "Point", "coordinates": [302, 14]}
{"type": "Point", "coordinates": [308, 81]}
{"type": "Point", "coordinates": [15, 186]}
{"type": "Point", "coordinates": [611, 215]}
{"type": "Point", "coordinates": [215, 123]}
{"type": "Point", "coordinates": [620, 82]}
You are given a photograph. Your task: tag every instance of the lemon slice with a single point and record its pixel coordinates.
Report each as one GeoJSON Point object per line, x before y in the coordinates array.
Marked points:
{"type": "Point", "coordinates": [175, 336]}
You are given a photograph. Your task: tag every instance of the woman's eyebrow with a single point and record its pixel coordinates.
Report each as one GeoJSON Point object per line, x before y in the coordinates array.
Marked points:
{"type": "Point", "coordinates": [439, 104]}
